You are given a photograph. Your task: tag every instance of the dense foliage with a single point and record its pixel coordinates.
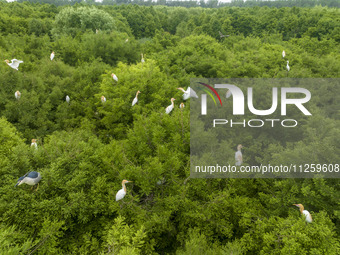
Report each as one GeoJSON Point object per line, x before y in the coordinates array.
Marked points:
{"type": "Point", "coordinates": [198, 3]}
{"type": "Point", "coordinates": [87, 147]}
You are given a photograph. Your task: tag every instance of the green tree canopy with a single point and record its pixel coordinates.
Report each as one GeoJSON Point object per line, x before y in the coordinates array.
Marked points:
{"type": "Point", "coordinates": [71, 21]}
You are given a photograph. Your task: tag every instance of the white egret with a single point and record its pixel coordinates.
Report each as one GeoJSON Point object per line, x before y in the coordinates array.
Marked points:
{"type": "Point", "coordinates": [17, 95]}
{"type": "Point", "coordinates": [188, 93]}
{"type": "Point", "coordinates": [34, 143]}
{"type": "Point", "coordinates": [228, 94]}
{"type": "Point", "coordinates": [238, 155]}
{"type": "Point", "coordinates": [14, 64]}
{"type": "Point", "coordinates": [307, 215]}
{"type": "Point", "coordinates": [103, 99]}
{"type": "Point", "coordinates": [121, 193]}
{"type": "Point", "coordinates": [52, 55]}
{"type": "Point", "coordinates": [283, 54]}
{"type": "Point", "coordinates": [67, 99]}
{"type": "Point", "coordinates": [182, 106]}
{"type": "Point", "coordinates": [288, 68]}
{"type": "Point", "coordinates": [135, 100]}
{"type": "Point", "coordinates": [170, 107]}
{"type": "Point", "coordinates": [142, 60]}
{"type": "Point", "coordinates": [127, 39]}
{"type": "Point", "coordinates": [114, 77]}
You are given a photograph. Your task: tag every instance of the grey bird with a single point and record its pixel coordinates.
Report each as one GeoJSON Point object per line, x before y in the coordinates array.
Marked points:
{"type": "Point", "coordinates": [31, 178]}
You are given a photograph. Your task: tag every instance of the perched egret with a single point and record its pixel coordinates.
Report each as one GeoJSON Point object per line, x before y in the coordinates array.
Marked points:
{"type": "Point", "coordinates": [222, 35]}
{"type": "Point", "coordinates": [182, 106]}
{"type": "Point", "coordinates": [121, 193]}
{"type": "Point", "coordinates": [67, 99]}
{"type": "Point", "coordinates": [188, 93]}
{"type": "Point", "coordinates": [288, 68]}
{"type": "Point", "coordinates": [52, 55]}
{"type": "Point", "coordinates": [97, 31]}
{"type": "Point", "coordinates": [103, 99]}
{"type": "Point", "coordinates": [135, 100]}
{"type": "Point", "coordinates": [170, 107]}
{"type": "Point", "coordinates": [283, 54]}
{"type": "Point", "coordinates": [114, 77]}
{"type": "Point", "coordinates": [31, 178]}
{"type": "Point", "coordinates": [17, 94]}
{"type": "Point", "coordinates": [127, 39]}
{"type": "Point", "coordinates": [307, 215]}
{"type": "Point", "coordinates": [238, 155]}
{"type": "Point", "coordinates": [142, 60]}
{"type": "Point", "coordinates": [34, 143]}
{"type": "Point", "coordinates": [228, 94]}
{"type": "Point", "coordinates": [14, 64]}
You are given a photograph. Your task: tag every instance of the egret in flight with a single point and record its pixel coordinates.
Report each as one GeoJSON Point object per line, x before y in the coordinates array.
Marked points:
{"type": "Point", "coordinates": [288, 68]}
{"type": "Point", "coordinates": [238, 155]}
{"type": "Point", "coordinates": [103, 99]}
{"type": "Point", "coordinates": [52, 55]}
{"type": "Point", "coordinates": [307, 215]}
{"type": "Point", "coordinates": [67, 99]}
{"type": "Point", "coordinates": [17, 94]}
{"type": "Point", "coordinates": [114, 77]}
{"type": "Point", "coordinates": [121, 193]}
{"type": "Point", "coordinates": [31, 178]}
{"type": "Point", "coordinates": [188, 93]}
{"type": "Point", "coordinates": [14, 64]}
{"type": "Point", "coordinates": [135, 100]}
{"type": "Point", "coordinates": [170, 107]}
{"type": "Point", "coordinates": [182, 106]}
{"type": "Point", "coordinates": [283, 54]}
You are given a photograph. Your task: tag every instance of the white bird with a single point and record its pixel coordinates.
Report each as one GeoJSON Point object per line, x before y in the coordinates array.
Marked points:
{"type": "Point", "coordinates": [182, 106]}
{"type": "Point", "coordinates": [288, 68]}
{"type": "Point", "coordinates": [228, 94]}
{"type": "Point", "coordinates": [122, 192]}
{"type": "Point", "coordinates": [142, 60]}
{"type": "Point", "coordinates": [67, 99]}
{"type": "Point", "coordinates": [34, 143]}
{"type": "Point", "coordinates": [52, 55]}
{"type": "Point", "coordinates": [135, 100]}
{"type": "Point", "coordinates": [283, 54]}
{"type": "Point", "coordinates": [127, 39]}
{"type": "Point", "coordinates": [14, 64]}
{"type": "Point", "coordinates": [238, 155]}
{"type": "Point", "coordinates": [114, 77]}
{"type": "Point", "coordinates": [170, 107]}
{"type": "Point", "coordinates": [307, 215]}
{"type": "Point", "coordinates": [103, 99]}
{"type": "Point", "coordinates": [188, 93]}
{"type": "Point", "coordinates": [17, 95]}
